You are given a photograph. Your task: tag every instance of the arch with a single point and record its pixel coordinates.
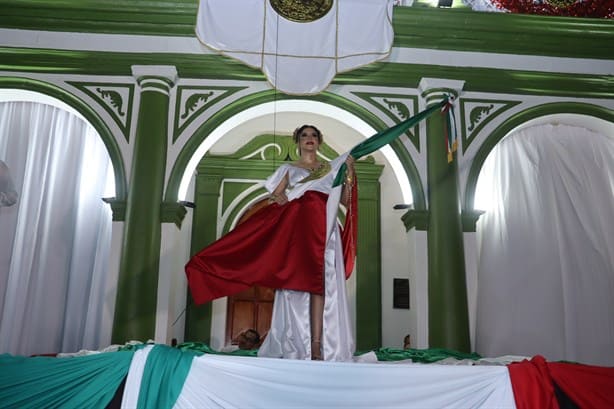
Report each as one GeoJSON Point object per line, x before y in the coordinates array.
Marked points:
{"type": "Point", "coordinates": [192, 152]}
{"type": "Point", "coordinates": [518, 120]}
{"type": "Point", "coordinates": [88, 113]}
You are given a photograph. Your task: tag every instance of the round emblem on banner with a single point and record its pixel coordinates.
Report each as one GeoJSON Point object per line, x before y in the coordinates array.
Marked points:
{"type": "Point", "coordinates": [302, 11]}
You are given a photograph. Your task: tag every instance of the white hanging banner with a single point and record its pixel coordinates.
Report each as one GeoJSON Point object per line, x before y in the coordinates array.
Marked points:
{"type": "Point", "coordinates": [299, 46]}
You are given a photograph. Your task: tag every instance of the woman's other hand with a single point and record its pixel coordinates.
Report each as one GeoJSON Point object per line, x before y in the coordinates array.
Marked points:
{"type": "Point", "coordinates": [349, 161]}
{"type": "Point", "coordinates": [279, 198]}
{"type": "Point", "coordinates": [350, 173]}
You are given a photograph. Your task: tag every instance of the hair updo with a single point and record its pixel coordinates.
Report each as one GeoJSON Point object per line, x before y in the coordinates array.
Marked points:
{"type": "Point", "coordinates": [298, 131]}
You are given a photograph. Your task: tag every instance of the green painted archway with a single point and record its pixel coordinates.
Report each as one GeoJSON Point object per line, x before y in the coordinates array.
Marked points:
{"type": "Point", "coordinates": [253, 100]}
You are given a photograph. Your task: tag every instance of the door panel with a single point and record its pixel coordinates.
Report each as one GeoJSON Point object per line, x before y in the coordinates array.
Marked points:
{"type": "Point", "coordinates": [251, 308]}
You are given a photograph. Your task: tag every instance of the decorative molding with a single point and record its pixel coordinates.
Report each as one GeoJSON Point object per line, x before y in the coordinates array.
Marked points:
{"type": "Point", "coordinates": [418, 219]}
{"type": "Point", "coordinates": [193, 101]}
{"type": "Point", "coordinates": [172, 212]}
{"type": "Point", "coordinates": [521, 81]}
{"type": "Point", "coordinates": [433, 90]}
{"type": "Point", "coordinates": [237, 196]}
{"type": "Point", "coordinates": [469, 218]}
{"type": "Point", "coordinates": [115, 98]}
{"type": "Point", "coordinates": [279, 148]}
{"type": "Point", "coordinates": [155, 78]}
{"type": "Point", "coordinates": [397, 107]}
{"type": "Point", "coordinates": [118, 208]}
{"type": "Point", "coordinates": [476, 113]}
{"type": "Point", "coordinates": [166, 73]}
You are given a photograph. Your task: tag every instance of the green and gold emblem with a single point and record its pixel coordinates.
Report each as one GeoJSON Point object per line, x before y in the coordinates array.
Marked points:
{"type": "Point", "coordinates": [302, 11]}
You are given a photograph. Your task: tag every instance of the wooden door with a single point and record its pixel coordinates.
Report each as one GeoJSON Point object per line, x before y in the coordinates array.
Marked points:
{"type": "Point", "coordinates": [249, 309]}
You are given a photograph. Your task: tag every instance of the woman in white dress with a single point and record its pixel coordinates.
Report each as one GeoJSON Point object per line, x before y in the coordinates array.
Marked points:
{"type": "Point", "coordinates": [296, 246]}
{"type": "Point", "coordinates": [313, 324]}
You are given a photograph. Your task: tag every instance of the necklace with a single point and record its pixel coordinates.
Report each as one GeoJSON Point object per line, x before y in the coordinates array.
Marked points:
{"type": "Point", "coordinates": [310, 168]}
{"type": "Point", "coordinates": [316, 172]}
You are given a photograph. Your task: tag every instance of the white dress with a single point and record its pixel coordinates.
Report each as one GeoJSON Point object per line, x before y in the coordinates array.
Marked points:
{"type": "Point", "coordinates": [290, 333]}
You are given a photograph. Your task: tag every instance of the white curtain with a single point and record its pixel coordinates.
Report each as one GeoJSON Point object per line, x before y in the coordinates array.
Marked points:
{"type": "Point", "coordinates": [546, 267]}
{"type": "Point", "coordinates": [54, 242]}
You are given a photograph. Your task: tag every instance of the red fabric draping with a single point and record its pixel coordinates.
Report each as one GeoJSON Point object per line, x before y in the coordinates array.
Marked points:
{"type": "Point", "coordinates": [278, 247]}
{"type": "Point", "coordinates": [532, 384]}
{"type": "Point", "coordinates": [587, 386]}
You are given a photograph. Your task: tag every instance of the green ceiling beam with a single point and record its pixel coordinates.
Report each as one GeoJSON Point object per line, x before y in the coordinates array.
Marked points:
{"type": "Point", "coordinates": [377, 74]}
{"type": "Point", "coordinates": [460, 29]}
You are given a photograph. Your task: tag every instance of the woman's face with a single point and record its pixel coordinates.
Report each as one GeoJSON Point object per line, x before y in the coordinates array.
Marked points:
{"type": "Point", "coordinates": [308, 140]}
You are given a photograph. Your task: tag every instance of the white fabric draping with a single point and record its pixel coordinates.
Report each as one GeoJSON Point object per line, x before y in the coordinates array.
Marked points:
{"type": "Point", "coordinates": [244, 382]}
{"type": "Point", "coordinates": [290, 333]}
{"type": "Point", "coordinates": [54, 242]}
{"type": "Point", "coordinates": [8, 194]}
{"type": "Point", "coordinates": [546, 267]}
{"type": "Point", "coordinates": [298, 58]}
{"type": "Point", "coordinates": [132, 388]}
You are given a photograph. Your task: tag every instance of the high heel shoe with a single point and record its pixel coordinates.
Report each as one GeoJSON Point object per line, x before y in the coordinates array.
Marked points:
{"type": "Point", "coordinates": [316, 350]}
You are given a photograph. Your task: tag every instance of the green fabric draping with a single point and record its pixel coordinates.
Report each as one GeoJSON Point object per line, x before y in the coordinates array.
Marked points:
{"type": "Point", "coordinates": [164, 375]}
{"type": "Point", "coordinates": [134, 346]}
{"type": "Point", "coordinates": [206, 349]}
{"type": "Point", "coordinates": [386, 136]}
{"type": "Point", "coordinates": [422, 355]}
{"type": "Point", "coordinates": [92, 380]}
{"type": "Point", "coordinates": [88, 381]}
{"type": "Point", "coordinates": [383, 354]}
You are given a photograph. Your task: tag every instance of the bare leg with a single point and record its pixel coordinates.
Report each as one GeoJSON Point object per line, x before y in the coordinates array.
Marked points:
{"type": "Point", "coordinates": [316, 316]}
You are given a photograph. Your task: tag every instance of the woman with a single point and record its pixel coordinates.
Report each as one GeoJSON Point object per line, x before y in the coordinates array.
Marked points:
{"type": "Point", "coordinates": [294, 245]}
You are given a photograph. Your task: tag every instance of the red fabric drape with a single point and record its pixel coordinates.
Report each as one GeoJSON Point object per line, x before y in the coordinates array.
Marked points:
{"type": "Point", "coordinates": [277, 247]}
{"type": "Point", "coordinates": [586, 385]}
{"type": "Point", "coordinates": [532, 384]}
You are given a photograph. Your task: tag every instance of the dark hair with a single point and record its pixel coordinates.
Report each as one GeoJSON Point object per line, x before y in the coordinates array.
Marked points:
{"type": "Point", "coordinates": [298, 131]}
{"type": "Point", "coordinates": [252, 335]}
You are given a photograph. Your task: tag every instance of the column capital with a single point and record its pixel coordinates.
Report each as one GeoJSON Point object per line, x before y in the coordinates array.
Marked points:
{"type": "Point", "coordinates": [434, 89]}
{"type": "Point", "coordinates": [159, 78]}
{"type": "Point", "coordinates": [418, 219]}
